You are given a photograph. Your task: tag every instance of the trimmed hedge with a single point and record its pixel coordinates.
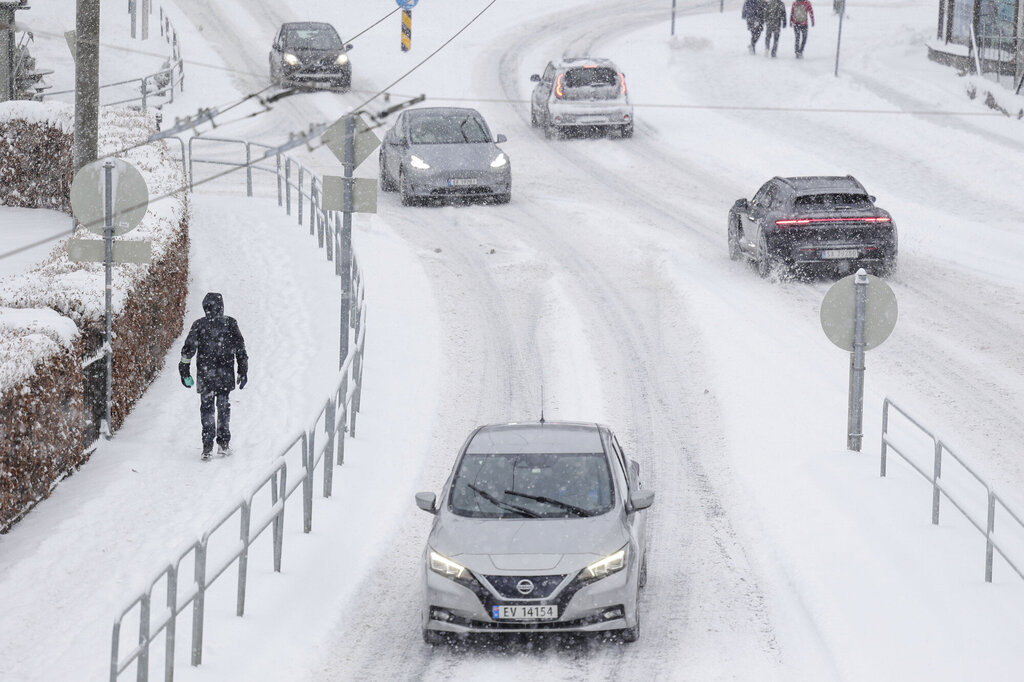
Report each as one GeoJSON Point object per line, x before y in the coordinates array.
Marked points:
{"type": "Point", "coordinates": [50, 408]}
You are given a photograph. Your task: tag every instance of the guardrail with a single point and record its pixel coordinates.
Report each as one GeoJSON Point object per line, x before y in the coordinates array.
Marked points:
{"type": "Point", "coordinates": [939, 449]}
{"type": "Point", "coordinates": [160, 83]}
{"type": "Point", "coordinates": [335, 418]}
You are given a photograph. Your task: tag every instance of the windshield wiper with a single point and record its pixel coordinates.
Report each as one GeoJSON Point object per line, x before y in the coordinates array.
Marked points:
{"type": "Point", "coordinates": [571, 508]}
{"type": "Point", "coordinates": [500, 504]}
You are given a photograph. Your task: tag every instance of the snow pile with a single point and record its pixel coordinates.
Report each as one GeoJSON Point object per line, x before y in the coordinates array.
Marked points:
{"type": "Point", "coordinates": [29, 337]}
{"type": "Point", "coordinates": [53, 114]}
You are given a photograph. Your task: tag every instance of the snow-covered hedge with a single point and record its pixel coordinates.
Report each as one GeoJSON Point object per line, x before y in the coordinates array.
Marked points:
{"type": "Point", "coordinates": [148, 300]}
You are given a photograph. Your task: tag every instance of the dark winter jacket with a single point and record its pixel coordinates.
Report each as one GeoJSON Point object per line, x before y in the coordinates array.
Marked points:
{"type": "Point", "coordinates": [807, 10]}
{"type": "Point", "coordinates": [774, 15]}
{"type": "Point", "coordinates": [217, 343]}
{"type": "Point", "coordinates": [753, 11]}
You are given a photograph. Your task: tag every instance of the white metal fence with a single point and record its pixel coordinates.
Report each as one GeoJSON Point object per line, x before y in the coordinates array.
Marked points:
{"type": "Point", "coordinates": [965, 493]}
{"type": "Point", "coordinates": [186, 578]}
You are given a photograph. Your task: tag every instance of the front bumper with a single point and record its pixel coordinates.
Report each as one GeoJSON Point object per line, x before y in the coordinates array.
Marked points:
{"type": "Point", "coordinates": [316, 75]}
{"type": "Point", "coordinates": [604, 605]}
{"type": "Point", "coordinates": [432, 183]}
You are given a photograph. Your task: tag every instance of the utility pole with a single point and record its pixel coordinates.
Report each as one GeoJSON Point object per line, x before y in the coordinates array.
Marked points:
{"type": "Point", "coordinates": [7, 89]}
{"type": "Point", "coordinates": [87, 80]}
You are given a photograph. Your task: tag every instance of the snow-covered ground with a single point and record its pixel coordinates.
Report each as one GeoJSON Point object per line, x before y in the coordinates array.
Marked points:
{"type": "Point", "coordinates": [29, 231]}
{"type": "Point", "coordinates": [776, 553]}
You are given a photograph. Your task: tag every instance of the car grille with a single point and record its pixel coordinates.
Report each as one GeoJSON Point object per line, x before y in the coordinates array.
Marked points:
{"type": "Point", "coordinates": [543, 585]}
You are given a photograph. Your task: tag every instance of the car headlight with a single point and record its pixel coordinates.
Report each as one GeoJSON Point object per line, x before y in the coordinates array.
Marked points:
{"type": "Point", "coordinates": [342, 59]}
{"type": "Point", "coordinates": [499, 161]}
{"type": "Point", "coordinates": [613, 563]}
{"type": "Point", "coordinates": [290, 59]}
{"type": "Point", "coordinates": [446, 567]}
{"type": "Point", "coordinates": [417, 162]}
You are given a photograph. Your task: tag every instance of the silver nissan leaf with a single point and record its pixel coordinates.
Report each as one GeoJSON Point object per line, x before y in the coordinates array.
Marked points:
{"type": "Point", "coordinates": [539, 528]}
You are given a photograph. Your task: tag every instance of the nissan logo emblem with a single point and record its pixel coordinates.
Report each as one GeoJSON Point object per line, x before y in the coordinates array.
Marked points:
{"type": "Point", "coordinates": [524, 586]}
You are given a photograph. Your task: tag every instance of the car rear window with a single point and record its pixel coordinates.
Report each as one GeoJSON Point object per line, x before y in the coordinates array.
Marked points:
{"type": "Point", "coordinates": [527, 485]}
{"type": "Point", "coordinates": [447, 130]}
{"type": "Point", "coordinates": [324, 38]}
{"type": "Point", "coordinates": [833, 200]}
{"type": "Point", "coordinates": [591, 83]}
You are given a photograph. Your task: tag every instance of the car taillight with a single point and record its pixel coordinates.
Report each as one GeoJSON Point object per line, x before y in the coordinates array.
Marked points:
{"type": "Point", "coordinates": [806, 221]}
{"type": "Point", "coordinates": [559, 93]}
{"type": "Point", "coordinates": [622, 80]}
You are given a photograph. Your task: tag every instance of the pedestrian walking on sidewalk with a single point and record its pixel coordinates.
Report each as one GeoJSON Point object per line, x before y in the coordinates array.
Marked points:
{"type": "Point", "coordinates": [799, 13]}
{"type": "Point", "coordinates": [217, 344]}
{"type": "Point", "coordinates": [753, 12]}
{"type": "Point", "coordinates": [774, 22]}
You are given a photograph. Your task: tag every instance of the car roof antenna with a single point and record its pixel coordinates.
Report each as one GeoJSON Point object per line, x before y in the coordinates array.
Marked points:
{"type": "Point", "coordinates": [542, 403]}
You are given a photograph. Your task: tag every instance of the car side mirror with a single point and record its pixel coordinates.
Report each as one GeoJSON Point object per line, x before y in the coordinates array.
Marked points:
{"type": "Point", "coordinates": [638, 499]}
{"type": "Point", "coordinates": [426, 502]}
{"type": "Point", "coordinates": [348, 46]}
{"type": "Point", "coordinates": [872, 198]}
{"type": "Point", "coordinates": [535, 78]}
{"type": "Point", "coordinates": [276, 45]}
{"type": "Point", "coordinates": [742, 204]}
{"type": "Point", "coordinates": [500, 138]}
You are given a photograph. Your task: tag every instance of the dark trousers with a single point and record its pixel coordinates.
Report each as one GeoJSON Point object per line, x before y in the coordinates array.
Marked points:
{"type": "Point", "coordinates": [755, 28]}
{"type": "Point", "coordinates": [770, 32]}
{"type": "Point", "coordinates": [800, 33]}
{"type": "Point", "coordinates": [219, 427]}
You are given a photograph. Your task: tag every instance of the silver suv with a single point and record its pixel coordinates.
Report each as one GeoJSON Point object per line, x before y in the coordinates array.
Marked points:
{"type": "Point", "coordinates": [539, 528]}
{"type": "Point", "coordinates": [581, 94]}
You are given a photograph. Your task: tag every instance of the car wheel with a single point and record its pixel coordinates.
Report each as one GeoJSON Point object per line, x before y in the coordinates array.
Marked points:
{"type": "Point", "coordinates": [503, 198]}
{"type": "Point", "coordinates": [630, 635]}
{"type": "Point", "coordinates": [403, 189]}
{"type": "Point", "coordinates": [764, 261]}
{"type": "Point", "coordinates": [626, 131]}
{"type": "Point", "coordinates": [534, 121]}
{"type": "Point", "coordinates": [434, 637]}
{"type": "Point", "coordinates": [734, 243]}
{"type": "Point", "coordinates": [642, 579]}
{"type": "Point", "coordinates": [386, 183]}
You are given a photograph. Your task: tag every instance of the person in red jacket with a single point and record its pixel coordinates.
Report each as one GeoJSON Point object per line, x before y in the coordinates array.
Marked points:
{"type": "Point", "coordinates": [799, 13]}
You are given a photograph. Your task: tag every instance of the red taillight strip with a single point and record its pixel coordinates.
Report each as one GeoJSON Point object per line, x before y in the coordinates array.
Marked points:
{"type": "Point", "coordinates": [622, 79]}
{"type": "Point", "coordinates": [558, 87]}
{"type": "Point", "coordinates": [805, 221]}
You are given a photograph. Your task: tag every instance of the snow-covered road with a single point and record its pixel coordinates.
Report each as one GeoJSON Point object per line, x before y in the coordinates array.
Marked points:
{"type": "Point", "coordinates": [776, 554]}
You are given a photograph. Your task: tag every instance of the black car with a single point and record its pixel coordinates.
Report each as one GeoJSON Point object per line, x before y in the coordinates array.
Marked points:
{"type": "Point", "coordinates": [806, 221]}
{"type": "Point", "coordinates": [312, 54]}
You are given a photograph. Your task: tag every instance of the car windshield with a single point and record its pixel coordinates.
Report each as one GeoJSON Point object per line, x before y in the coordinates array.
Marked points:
{"type": "Point", "coordinates": [532, 485]}
{"type": "Point", "coordinates": [833, 200]}
{"type": "Point", "coordinates": [447, 129]}
{"type": "Point", "coordinates": [318, 38]}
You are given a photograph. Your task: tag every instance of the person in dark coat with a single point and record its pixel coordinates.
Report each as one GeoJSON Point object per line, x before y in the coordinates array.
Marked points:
{"type": "Point", "coordinates": [218, 345]}
{"type": "Point", "coordinates": [774, 22]}
{"type": "Point", "coordinates": [753, 12]}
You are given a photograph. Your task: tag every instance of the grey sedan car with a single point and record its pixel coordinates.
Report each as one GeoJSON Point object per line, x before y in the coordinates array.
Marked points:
{"type": "Point", "coordinates": [444, 152]}
{"type": "Point", "coordinates": [539, 528]}
{"type": "Point", "coordinates": [310, 54]}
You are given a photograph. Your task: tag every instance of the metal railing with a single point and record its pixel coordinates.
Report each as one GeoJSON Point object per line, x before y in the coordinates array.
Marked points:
{"type": "Point", "coordinates": [160, 83]}
{"type": "Point", "coordinates": [335, 418]}
{"type": "Point", "coordinates": [939, 449]}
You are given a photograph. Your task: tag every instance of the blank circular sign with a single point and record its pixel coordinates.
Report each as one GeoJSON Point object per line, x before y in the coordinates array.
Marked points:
{"type": "Point", "coordinates": [880, 312]}
{"type": "Point", "coordinates": [128, 191]}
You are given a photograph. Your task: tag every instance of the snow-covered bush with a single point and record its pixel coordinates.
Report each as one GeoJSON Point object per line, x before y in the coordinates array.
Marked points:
{"type": "Point", "coordinates": [36, 372]}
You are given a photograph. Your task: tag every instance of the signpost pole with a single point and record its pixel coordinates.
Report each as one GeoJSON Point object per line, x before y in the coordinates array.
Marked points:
{"type": "Point", "coordinates": [673, 17]}
{"type": "Point", "coordinates": [349, 165]}
{"type": "Point", "coordinates": [108, 262]}
{"type": "Point", "coordinates": [839, 38]}
{"type": "Point", "coordinates": [855, 422]}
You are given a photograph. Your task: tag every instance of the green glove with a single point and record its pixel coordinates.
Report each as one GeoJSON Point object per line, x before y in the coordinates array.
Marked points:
{"type": "Point", "coordinates": [188, 382]}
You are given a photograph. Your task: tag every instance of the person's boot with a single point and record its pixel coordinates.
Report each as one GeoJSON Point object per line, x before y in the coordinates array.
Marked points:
{"type": "Point", "coordinates": [207, 451]}
{"type": "Point", "coordinates": [223, 448]}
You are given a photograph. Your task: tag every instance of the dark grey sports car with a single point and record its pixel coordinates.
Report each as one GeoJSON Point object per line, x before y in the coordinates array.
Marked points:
{"type": "Point", "coordinates": [444, 152]}
{"type": "Point", "coordinates": [805, 221]}
{"type": "Point", "coordinates": [311, 54]}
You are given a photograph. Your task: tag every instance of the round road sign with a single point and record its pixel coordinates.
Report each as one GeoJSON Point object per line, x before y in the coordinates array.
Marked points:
{"type": "Point", "coordinates": [129, 195]}
{"type": "Point", "coordinates": [838, 311]}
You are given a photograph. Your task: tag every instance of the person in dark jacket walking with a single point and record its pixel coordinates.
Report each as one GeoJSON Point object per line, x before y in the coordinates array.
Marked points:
{"type": "Point", "coordinates": [753, 12]}
{"type": "Point", "coordinates": [217, 344]}
{"type": "Point", "coordinates": [799, 13]}
{"type": "Point", "coordinates": [774, 17]}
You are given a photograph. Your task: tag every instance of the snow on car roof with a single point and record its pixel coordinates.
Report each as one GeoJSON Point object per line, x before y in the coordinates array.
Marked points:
{"type": "Point", "coordinates": [562, 437]}
{"type": "Point", "coordinates": [823, 183]}
{"type": "Point", "coordinates": [570, 62]}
